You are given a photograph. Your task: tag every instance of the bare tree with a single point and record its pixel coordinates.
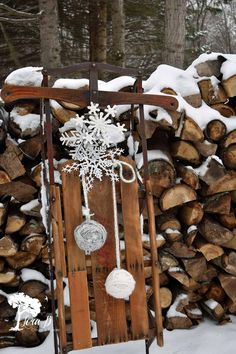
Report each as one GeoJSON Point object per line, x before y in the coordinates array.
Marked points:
{"type": "Point", "coordinates": [118, 32]}
{"type": "Point", "coordinates": [49, 34]}
{"type": "Point", "coordinates": [175, 12]}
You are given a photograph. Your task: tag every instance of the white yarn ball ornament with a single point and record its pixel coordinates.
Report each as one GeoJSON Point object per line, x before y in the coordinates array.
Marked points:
{"type": "Point", "coordinates": [90, 236]}
{"type": "Point", "coordinates": [120, 283]}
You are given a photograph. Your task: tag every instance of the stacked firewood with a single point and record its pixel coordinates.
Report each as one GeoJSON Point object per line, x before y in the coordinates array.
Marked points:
{"type": "Point", "coordinates": [192, 162]}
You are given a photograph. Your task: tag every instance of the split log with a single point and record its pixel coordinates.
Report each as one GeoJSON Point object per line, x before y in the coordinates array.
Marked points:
{"type": "Point", "coordinates": [229, 139]}
{"type": "Point", "coordinates": [215, 130]}
{"type": "Point", "coordinates": [219, 203]}
{"type": "Point", "coordinates": [206, 148]}
{"type": "Point", "coordinates": [179, 274]}
{"type": "Point", "coordinates": [177, 195]}
{"type": "Point", "coordinates": [228, 220]}
{"type": "Point", "coordinates": [162, 175]}
{"type": "Point", "coordinates": [175, 317]}
{"type": "Point", "coordinates": [185, 151]}
{"type": "Point", "coordinates": [33, 243]}
{"type": "Point", "coordinates": [7, 247]}
{"type": "Point", "coordinates": [231, 243]}
{"type": "Point", "coordinates": [214, 171]}
{"type": "Point", "coordinates": [173, 235]}
{"type": "Point", "coordinates": [191, 213]}
{"type": "Point", "coordinates": [191, 131]}
{"type": "Point", "coordinates": [32, 208]}
{"type": "Point", "coordinates": [213, 232]}
{"type": "Point", "coordinates": [229, 156]}
{"type": "Point", "coordinates": [36, 174]}
{"type": "Point", "coordinates": [27, 336]}
{"type": "Point", "coordinates": [21, 260]}
{"type": "Point", "coordinates": [160, 165]}
{"type": "Point", "coordinates": [7, 277]}
{"type": "Point", "coordinates": [165, 299]}
{"type": "Point", "coordinates": [214, 309]}
{"type": "Point", "coordinates": [33, 288]}
{"type": "Point", "coordinates": [62, 114]}
{"type": "Point", "coordinates": [193, 311]}
{"type": "Point", "coordinates": [216, 292]}
{"type": "Point", "coordinates": [224, 109]}
{"type": "Point", "coordinates": [168, 221]}
{"type": "Point", "coordinates": [228, 262]}
{"type": "Point", "coordinates": [188, 175]}
{"type": "Point", "coordinates": [167, 261]}
{"type": "Point", "coordinates": [228, 283]}
{"type": "Point", "coordinates": [190, 236]}
{"type": "Point", "coordinates": [15, 222]}
{"type": "Point", "coordinates": [3, 213]}
{"type": "Point", "coordinates": [10, 161]}
{"type": "Point", "coordinates": [31, 148]}
{"type": "Point", "coordinates": [230, 86]}
{"type": "Point", "coordinates": [209, 67]}
{"type": "Point", "coordinates": [195, 267]}
{"type": "Point", "coordinates": [34, 226]}
{"type": "Point", "coordinates": [6, 310]}
{"type": "Point", "coordinates": [180, 250]}
{"type": "Point", "coordinates": [4, 177]}
{"type": "Point", "coordinates": [19, 190]}
{"type": "Point", "coordinates": [211, 95]}
{"type": "Point", "coordinates": [209, 250]}
{"type": "Point", "coordinates": [226, 183]}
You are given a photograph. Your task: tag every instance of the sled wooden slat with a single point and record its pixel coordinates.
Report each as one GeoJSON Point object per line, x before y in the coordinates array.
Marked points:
{"type": "Point", "coordinates": [81, 332]}
{"type": "Point", "coordinates": [60, 264]}
{"type": "Point", "coordinates": [110, 312]}
{"type": "Point", "coordinates": [134, 255]}
{"type": "Point", "coordinates": [78, 285]}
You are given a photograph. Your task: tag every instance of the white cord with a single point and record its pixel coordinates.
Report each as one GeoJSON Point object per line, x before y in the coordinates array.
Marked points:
{"type": "Point", "coordinates": [86, 211]}
{"type": "Point", "coordinates": [120, 164]}
{"type": "Point", "coordinates": [116, 226]}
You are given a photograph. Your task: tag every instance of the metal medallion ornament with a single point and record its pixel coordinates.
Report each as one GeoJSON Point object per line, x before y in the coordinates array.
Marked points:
{"type": "Point", "coordinates": [90, 236]}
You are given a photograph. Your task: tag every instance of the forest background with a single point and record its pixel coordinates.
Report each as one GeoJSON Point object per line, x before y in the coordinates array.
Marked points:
{"type": "Point", "coordinates": [132, 33]}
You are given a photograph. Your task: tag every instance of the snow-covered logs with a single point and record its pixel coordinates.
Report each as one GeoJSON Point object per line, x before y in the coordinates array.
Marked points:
{"type": "Point", "coordinates": [193, 176]}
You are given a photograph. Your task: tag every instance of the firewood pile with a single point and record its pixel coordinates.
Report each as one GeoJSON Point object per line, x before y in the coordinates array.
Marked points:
{"type": "Point", "coordinates": [192, 162]}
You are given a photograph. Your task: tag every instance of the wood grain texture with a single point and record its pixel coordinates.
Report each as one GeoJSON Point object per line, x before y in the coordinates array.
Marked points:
{"type": "Point", "coordinates": [134, 255]}
{"type": "Point", "coordinates": [110, 312]}
{"type": "Point", "coordinates": [60, 264]}
{"type": "Point", "coordinates": [78, 284]}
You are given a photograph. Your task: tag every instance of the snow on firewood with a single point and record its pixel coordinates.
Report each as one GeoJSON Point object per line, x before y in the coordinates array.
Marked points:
{"type": "Point", "coordinates": [28, 76]}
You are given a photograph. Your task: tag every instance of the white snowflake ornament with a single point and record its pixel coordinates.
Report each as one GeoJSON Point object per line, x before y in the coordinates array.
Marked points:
{"type": "Point", "coordinates": [92, 141]}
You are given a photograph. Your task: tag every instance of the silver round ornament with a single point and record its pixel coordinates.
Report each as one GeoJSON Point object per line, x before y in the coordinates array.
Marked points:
{"type": "Point", "coordinates": [90, 236]}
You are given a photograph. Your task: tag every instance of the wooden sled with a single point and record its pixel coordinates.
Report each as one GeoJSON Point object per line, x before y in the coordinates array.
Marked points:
{"type": "Point", "coordinates": [116, 320]}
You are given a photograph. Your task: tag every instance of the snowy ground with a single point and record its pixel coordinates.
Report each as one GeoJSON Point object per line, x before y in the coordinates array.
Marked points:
{"type": "Point", "coordinates": [207, 338]}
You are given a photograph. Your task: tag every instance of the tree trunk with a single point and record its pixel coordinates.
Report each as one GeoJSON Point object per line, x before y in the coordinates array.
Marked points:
{"type": "Point", "coordinates": [98, 30]}
{"type": "Point", "coordinates": [49, 34]}
{"type": "Point", "coordinates": [118, 32]}
{"type": "Point", "coordinates": [102, 32]}
{"type": "Point", "coordinates": [175, 13]}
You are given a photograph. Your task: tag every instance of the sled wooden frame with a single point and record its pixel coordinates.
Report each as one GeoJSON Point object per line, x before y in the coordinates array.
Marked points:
{"type": "Point", "coordinates": [70, 261]}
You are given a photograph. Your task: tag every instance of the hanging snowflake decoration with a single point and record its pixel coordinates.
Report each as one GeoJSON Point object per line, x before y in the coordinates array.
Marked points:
{"type": "Point", "coordinates": [92, 143]}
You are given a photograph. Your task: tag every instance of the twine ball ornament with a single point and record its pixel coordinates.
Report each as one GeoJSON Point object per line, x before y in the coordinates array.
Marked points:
{"type": "Point", "coordinates": [120, 284]}
{"type": "Point", "coordinates": [90, 236]}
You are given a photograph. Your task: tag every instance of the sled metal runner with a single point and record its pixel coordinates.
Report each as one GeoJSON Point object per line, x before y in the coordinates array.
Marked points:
{"type": "Point", "coordinates": [70, 261]}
